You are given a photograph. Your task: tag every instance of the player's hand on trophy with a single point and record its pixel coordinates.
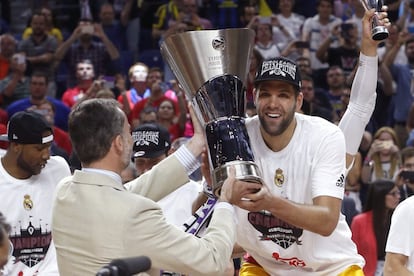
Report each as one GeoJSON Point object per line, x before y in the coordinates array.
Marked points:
{"type": "Point", "coordinates": [257, 200]}
{"type": "Point", "coordinates": [235, 191]}
{"type": "Point", "coordinates": [375, 21]}
{"type": "Point", "coordinates": [374, 30]}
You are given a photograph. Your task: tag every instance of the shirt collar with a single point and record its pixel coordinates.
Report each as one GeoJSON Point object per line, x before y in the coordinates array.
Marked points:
{"type": "Point", "coordinates": [111, 174]}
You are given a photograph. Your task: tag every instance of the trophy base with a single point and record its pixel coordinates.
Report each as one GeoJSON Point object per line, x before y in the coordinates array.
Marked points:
{"type": "Point", "coordinates": [379, 33]}
{"type": "Point", "coordinates": [245, 170]}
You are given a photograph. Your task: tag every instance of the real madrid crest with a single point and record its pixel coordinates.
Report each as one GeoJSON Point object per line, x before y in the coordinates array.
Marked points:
{"type": "Point", "coordinates": [27, 203]}
{"type": "Point", "coordinates": [279, 177]}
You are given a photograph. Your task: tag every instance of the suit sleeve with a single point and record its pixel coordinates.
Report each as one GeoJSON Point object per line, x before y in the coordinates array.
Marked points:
{"type": "Point", "coordinates": [161, 180]}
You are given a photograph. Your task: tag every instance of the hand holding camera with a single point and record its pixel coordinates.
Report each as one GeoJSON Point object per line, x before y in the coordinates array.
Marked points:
{"type": "Point", "coordinates": [265, 20]}
{"type": "Point", "coordinates": [380, 145]}
{"type": "Point", "coordinates": [19, 63]}
{"type": "Point", "coordinates": [87, 29]}
{"type": "Point", "coordinates": [407, 176]}
{"type": "Point", "coordinates": [302, 44]}
{"type": "Point", "coordinates": [386, 145]}
{"type": "Point", "coordinates": [19, 58]}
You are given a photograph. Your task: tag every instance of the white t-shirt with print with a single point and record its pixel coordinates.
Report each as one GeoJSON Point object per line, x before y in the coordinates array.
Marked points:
{"type": "Point", "coordinates": [27, 206]}
{"type": "Point", "coordinates": [401, 236]}
{"type": "Point", "coordinates": [311, 165]}
{"type": "Point", "coordinates": [177, 206]}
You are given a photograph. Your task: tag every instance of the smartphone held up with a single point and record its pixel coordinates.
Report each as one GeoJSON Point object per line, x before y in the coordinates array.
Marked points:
{"type": "Point", "coordinates": [407, 175]}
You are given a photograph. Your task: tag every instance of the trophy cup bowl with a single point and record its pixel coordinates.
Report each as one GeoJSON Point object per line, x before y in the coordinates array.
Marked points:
{"type": "Point", "coordinates": [211, 66]}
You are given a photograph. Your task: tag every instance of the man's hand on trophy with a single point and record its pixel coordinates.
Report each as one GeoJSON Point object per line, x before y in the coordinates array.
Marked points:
{"type": "Point", "coordinates": [235, 191]}
{"type": "Point", "coordinates": [197, 143]}
{"type": "Point", "coordinates": [205, 169]}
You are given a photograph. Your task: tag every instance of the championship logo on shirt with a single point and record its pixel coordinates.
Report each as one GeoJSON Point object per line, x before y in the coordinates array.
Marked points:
{"type": "Point", "coordinates": [30, 243]}
{"type": "Point", "coordinates": [275, 229]}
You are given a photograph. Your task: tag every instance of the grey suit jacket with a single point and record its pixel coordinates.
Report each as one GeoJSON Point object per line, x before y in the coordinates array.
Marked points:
{"type": "Point", "coordinates": [95, 220]}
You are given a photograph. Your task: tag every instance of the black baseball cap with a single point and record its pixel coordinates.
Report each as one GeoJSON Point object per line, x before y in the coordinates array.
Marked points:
{"type": "Point", "coordinates": [279, 69]}
{"type": "Point", "coordinates": [28, 127]}
{"type": "Point", "coordinates": [151, 140]}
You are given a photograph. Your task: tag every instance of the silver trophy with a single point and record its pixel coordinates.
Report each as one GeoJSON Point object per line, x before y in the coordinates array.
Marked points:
{"type": "Point", "coordinates": [378, 31]}
{"type": "Point", "coordinates": [211, 66]}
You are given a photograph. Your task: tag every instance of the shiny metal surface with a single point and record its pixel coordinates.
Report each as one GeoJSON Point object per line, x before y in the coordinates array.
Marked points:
{"type": "Point", "coordinates": [245, 170]}
{"type": "Point", "coordinates": [378, 32]}
{"type": "Point", "coordinates": [212, 66]}
{"type": "Point", "coordinates": [197, 56]}
{"type": "Point", "coordinates": [228, 141]}
{"type": "Point", "coordinates": [221, 96]}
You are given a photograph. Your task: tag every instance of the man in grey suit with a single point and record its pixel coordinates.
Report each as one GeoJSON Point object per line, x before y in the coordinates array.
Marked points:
{"type": "Point", "coordinates": [96, 219]}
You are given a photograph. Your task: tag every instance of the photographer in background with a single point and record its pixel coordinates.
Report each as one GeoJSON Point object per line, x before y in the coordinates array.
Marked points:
{"type": "Point", "coordinates": [81, 45]}
{"type": "Point", "coordinates": [190, 16]}
{"type": "Point", "coordinates": [382, 159]}
{"type": "Point", "coordinates": [295, 49]}
{"type": "Point", "coordinates": [15, 85]}
{"type": "Point", "coordinates": [86, 87]}
{"type": "Point", "coordinates": [405, 178]}
{"type": "Point", "coordinates": [346, 55]}
{"type": "Point", "coordinates": [8, 47]}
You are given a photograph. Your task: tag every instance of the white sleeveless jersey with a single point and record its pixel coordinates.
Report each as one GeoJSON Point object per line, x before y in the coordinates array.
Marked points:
{"type": "Point", "coordinates": [311, 165]}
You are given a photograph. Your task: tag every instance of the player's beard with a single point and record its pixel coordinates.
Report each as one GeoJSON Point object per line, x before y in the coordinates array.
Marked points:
{"type": "Point", "coordinates": [25, 166]}
{"type": "Point", "coordinates": [276, 130]}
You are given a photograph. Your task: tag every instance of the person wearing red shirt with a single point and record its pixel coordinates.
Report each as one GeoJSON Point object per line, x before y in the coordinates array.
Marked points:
{"type": "Point", "coordinates": [86, 86]}
{"type": "Point", "coordinates": [7, 50]}
{"type": "Point", "coordinates": [138, 77]}
{"type": "Point", "coordinates": [167, 116]}
{"type": "Point", "coordinates": [157, 95]}
{"type": "Point", "coordinates": [370, 228]}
